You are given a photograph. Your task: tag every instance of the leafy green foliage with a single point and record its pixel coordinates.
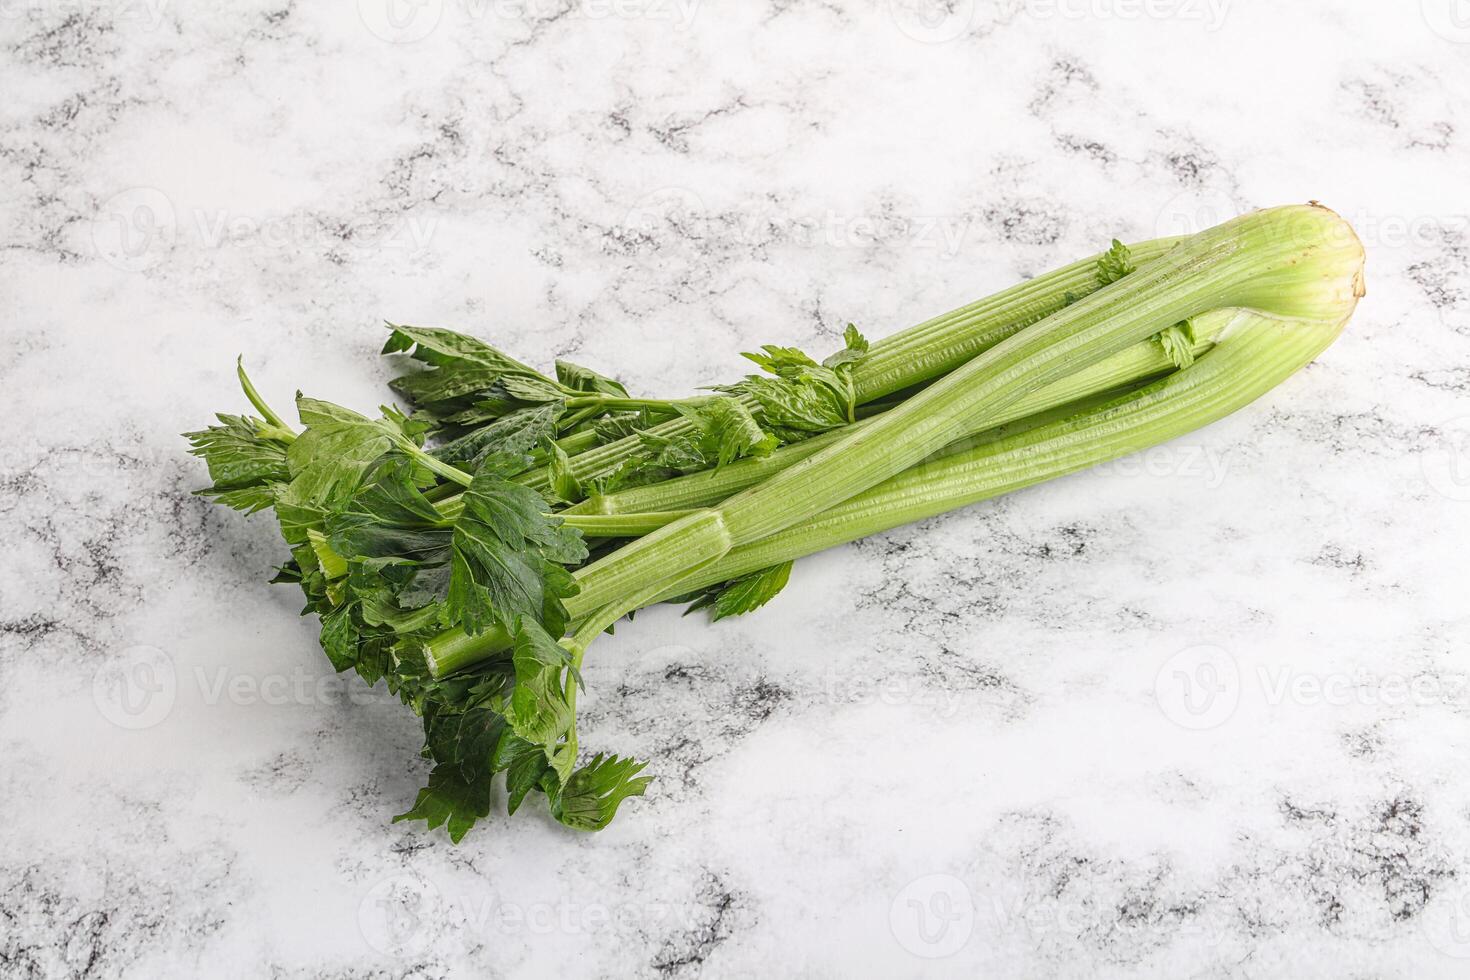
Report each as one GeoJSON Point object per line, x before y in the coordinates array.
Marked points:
{"type": "Point", "coordinates": [503, 546]}
{"type": "Point", "coordinates": [538, 710]}
{"type": "Point", "coordinates": [856, 349]}
{"type": "Point", "coordinates": [328, 460]}
{"type": "Point", "coordinates": [525, 766]}
{"type": "Point", "coordinates": [1178, 343]}
{"type": "Point", "coordinates": [564, 483]}
{"type": "Point", "coordinates": [722, 430]}
{"type": "Point", "coordinates": [1116, 263]}
{"type": "Point", "coordinates": [590, 798]}
{"type": "Point", "coordinates": [803, 397]}
{"type": "Point", "coordinates": [620, 425]}
{"type": "Point", "coordinates": [578, 378]}
{"type": "Point", "coordinates": [389, 517]}
{"type": "Point", "coordinates": [462, 374]}
{"type": "Point", "coordinates": [727, 431]}
{"type": "Point", "coordinates": [451, 799]}
{"type": "Point", "coordinates": [743, 595]}
{"type": "Point", "coordinates": [515, 434]}
{"type": "Point", "coordinates": [248, 471]}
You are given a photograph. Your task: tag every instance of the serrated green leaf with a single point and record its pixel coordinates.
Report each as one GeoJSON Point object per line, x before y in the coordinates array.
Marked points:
{"type": "Point", "coordinates": [578, 378]}
{"type": "Point", "coordinates": [389, 517]}
{"type": "Point", "coordinates": [1116, 263]}
{"type": "Point", "coordinates": [1178, 343]}
{"type": "Point", "coordinates": [327, 462]}
{"type": "Point", "coordinates": [339, 638]}
{"type": "Point", "coordinates": [564, 483]}
{"type": "Point", "coordinates": [855, 351]}
{"type": "Point", "coordinates": [450, 799]}
{"type": "Point", "coordinates": [532, 389]}
{"type": "Point", "coordinates": [500, 546]}
{"type": "Point", "coordinates": [781, 361]}
{"type": "Point", "coordinates": [439, 346]}
{"type": "Point", "coordinates": [804, 405]}
{"type": "Point", "coordinates": [248, 471]}
{"type": "Point", "coordinates": [730, 430]}
{"type": "Point", "coordinates": [513, 435]}
{"type": "Point", "coordinates": [619, 425]}
{"type": "Point", "coordinates": [749, 593]}
{"type": "Point", "coordinates": [524, 764]}
{"type": "Point", "coordinates": [461, 372]}
{"type": "Point", "coordinates": [590, 798]}
{"type": "Point", "coordinates": [538, 710]}
{"type": "Point", "coordinates": [742, 595]}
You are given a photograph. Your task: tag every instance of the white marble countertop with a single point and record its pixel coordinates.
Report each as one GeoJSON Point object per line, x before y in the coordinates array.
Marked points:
{"type": "Point", "coordinates": [1204, 714]}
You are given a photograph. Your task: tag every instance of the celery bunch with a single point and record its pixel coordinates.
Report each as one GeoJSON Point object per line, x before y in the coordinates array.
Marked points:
{"type": "Point", "coordinates": [468, 554]}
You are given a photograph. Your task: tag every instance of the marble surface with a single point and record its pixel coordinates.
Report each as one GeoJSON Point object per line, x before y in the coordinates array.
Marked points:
{"type": "Point", "coordinates": [1203, 714]}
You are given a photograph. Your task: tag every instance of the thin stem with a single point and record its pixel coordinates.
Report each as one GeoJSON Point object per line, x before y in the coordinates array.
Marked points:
{"type": "Point", "coordinates": [577, 442]}
{"type": "Point", "coordinates": [612, 403]}
{"type": "Point", "coordinates": [576, 419]}
{"type": "Point", "coordinates": [592, 525]}
{"type": "Point", "coordinates": [276, 433]}
{"type": "Point", "coordinates": [589, 630]}
{"type": "Point", "coordinates": [255, 399]}
{"type": "Point", "coordinates": [437, 466]}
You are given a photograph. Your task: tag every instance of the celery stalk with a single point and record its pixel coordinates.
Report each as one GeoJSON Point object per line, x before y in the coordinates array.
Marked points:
{"type": "Point", "coordinates": [915, 355]}
{"type": "Point", "coordinates": [1294, 262]}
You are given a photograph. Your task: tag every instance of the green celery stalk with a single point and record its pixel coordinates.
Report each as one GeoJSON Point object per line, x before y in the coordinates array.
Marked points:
{"type": "Point", "coordinates": [1140, 362]}
{"type": "Point", "coordinates": [912, 356]}
{"type": "Point", "coordinates": [1288, 262]}
{"type": "Point", "coordinates": [1261, 353]}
